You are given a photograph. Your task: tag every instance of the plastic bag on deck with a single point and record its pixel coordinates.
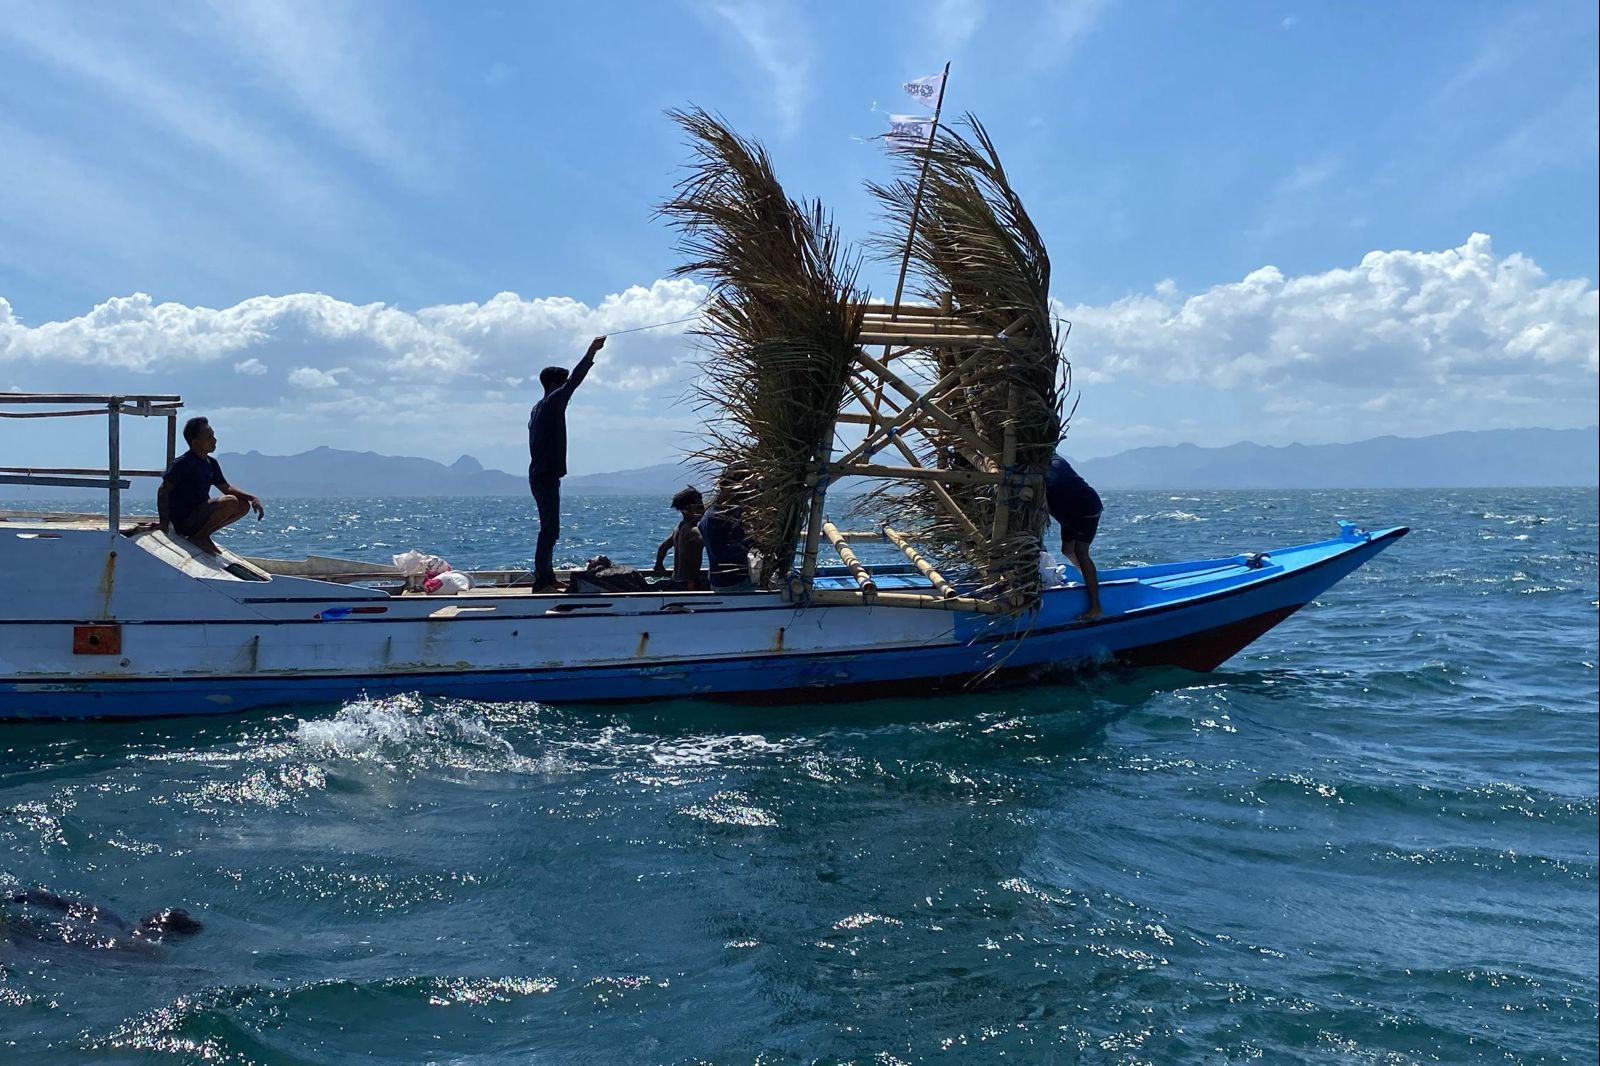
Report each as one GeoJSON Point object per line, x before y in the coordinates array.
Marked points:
{"type": "Point", "coordinates": [417, 564]}
{"type": "Point", "coordinates": [411, 563]}
{"type": "Point", "coordinates": [1051, 574]}
{"type": "Point", "coordinates": [447, 584]}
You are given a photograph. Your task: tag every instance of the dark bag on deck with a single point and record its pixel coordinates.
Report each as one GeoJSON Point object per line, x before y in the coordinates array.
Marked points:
{"type": "Point", "coordinates": [601, 577]}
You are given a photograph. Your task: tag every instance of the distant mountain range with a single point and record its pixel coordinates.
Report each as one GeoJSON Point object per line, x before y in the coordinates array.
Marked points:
{"type": "Point", "coordinates": [1489, 457]}
{"type": "Point", "coordinates": [1493, 457]}
{"type": "Point", "coordinates": [333, 472]}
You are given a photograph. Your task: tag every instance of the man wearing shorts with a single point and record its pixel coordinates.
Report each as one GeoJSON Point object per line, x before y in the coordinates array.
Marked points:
{"type": "Point", "coordinates": [184, 502]}
{"type": "Point", "coordinates": [1076, 507]}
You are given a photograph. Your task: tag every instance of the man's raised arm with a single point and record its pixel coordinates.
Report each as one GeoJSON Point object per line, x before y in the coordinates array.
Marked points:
{"type": "Point", "coordinates": [581, 371]}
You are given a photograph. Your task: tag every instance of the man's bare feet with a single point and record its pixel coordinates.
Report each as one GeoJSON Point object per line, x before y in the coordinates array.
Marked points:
{"type": "Point", "coordinates": [1093, 614]}
{"type": "Point", "coordinates": [206, 544]}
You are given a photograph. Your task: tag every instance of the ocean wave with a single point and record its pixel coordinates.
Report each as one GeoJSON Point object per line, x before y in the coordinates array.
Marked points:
{"type": "Point", "coordinates": [1489, 801]}
{"type": "Point", "coordinates": [1164, 516]}
{"type": "Point", "coordinates": [268, 787]}
{"type": "Point", "coordinates": [412, 733]}
{"type": "Point", "coordinates": [234, 1025]}
{"type": "Point", "coordinates": [731, 808]}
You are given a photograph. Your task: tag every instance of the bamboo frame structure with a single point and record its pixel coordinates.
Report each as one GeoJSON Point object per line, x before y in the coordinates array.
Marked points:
{"type": "Point", "coordinates": [963, 396]}
{"type": "Point", "coordinates": [899, 412]}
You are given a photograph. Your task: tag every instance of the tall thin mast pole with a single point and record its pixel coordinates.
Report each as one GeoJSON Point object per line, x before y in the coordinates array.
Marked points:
{"type": "Point", "coordinates": [911, 231]}
{"type": "Point", "coordinates": [916, 203]}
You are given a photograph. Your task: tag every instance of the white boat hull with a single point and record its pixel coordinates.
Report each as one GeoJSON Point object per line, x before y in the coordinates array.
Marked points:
{"type": "Point", "coordinates": [102, 625]}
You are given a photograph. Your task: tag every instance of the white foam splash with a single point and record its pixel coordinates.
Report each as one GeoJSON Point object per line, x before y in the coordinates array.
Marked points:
{"type": "Point", "coordinates": [1164, 516]}
{"type": "Point", "coordinates": [408, 729]}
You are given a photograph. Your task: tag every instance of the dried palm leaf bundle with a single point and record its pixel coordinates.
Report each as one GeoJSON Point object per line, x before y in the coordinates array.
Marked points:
{"type": "Point", "coordinates": [975, 251]}
{"type": "Point", "coordinates": [779, 332]}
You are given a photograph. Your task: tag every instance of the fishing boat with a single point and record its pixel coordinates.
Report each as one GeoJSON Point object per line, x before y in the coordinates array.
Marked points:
{"type": "Point", "coordinates": [808, 381]}
{"type": "Point", "coordinates": [110, 619]}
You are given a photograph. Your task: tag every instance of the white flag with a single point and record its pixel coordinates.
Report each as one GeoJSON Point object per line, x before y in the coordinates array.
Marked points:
{"type": "Point", "coordinates": [925, 91]}
{"type": "Point", "coordinates": [908, 131]}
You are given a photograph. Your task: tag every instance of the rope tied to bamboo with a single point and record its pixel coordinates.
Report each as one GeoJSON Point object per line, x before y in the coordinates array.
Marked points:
{"type": "Point", "coordinates": [889, 436]}
{"type": "Point", "coordinates": [823, 478]}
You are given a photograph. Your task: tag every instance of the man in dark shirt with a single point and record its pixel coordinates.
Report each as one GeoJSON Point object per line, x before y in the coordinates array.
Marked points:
{"type": "Point", "coordinates": [547, 458]}
{"type": "Point", "coordinates": [184, 504]}
{"type": "Point", "coordinates": [1075, 505]}
{"type": "Point", "coordinates": [726, 542]}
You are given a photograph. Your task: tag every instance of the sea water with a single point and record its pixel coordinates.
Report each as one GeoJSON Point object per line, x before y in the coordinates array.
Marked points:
{"type": "Point", "coordinates": [1369, 837]}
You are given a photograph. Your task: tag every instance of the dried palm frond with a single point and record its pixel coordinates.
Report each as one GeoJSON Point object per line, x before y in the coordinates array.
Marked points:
{"type": "Point", "coordinates": [976, 250]}
{"type": "Point", "coordinates": [780, 328]}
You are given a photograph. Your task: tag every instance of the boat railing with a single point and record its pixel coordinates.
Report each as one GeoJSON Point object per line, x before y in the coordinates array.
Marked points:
{"type": "Point", "coordinates": [113, 478]}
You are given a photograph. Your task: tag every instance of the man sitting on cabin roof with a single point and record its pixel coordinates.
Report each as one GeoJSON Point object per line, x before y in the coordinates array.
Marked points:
{"type": "Point", "coordinates": [183, 502]}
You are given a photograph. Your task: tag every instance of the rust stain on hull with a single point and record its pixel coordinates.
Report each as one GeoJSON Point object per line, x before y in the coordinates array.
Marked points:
{"type": "Point", "coordinates": [108, 580]}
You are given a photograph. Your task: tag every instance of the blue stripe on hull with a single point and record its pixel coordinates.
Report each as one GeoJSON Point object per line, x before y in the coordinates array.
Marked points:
{"type": "Point", "coordinates": [1120, 637]}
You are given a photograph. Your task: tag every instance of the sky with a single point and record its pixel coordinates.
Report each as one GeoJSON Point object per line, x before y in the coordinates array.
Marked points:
{"type": "Point", "coordinates": [368, 225]}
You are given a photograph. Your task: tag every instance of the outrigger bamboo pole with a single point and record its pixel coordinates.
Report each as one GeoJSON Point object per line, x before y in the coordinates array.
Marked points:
{"type": "Point", "coordinates": [853, 564]}
{"type": "Point", "coordinates": [926, 601]}
{"type": "Point", "coordinates": [923, 566]}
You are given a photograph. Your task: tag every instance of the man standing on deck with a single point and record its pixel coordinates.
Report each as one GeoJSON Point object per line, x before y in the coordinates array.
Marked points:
{"type": "Point", "coordinates": [183, 502]}
{"type": "Point", "coordinates": [1075, 505]}
{"type": "Point", "coordinates": [547, 458]}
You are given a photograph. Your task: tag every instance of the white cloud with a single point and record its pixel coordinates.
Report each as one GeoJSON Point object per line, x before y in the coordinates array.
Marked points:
{"type": "Point", "coordinates": [436, 381]}
{"type": "Point", "coordinates": [1403, 342]}
{"type": "Point", "coordinates": [447, 346]}
{"type": "Point", "coordinates": [1454, 339]}
{"type": "Point", "coordinates": [309, 377]}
